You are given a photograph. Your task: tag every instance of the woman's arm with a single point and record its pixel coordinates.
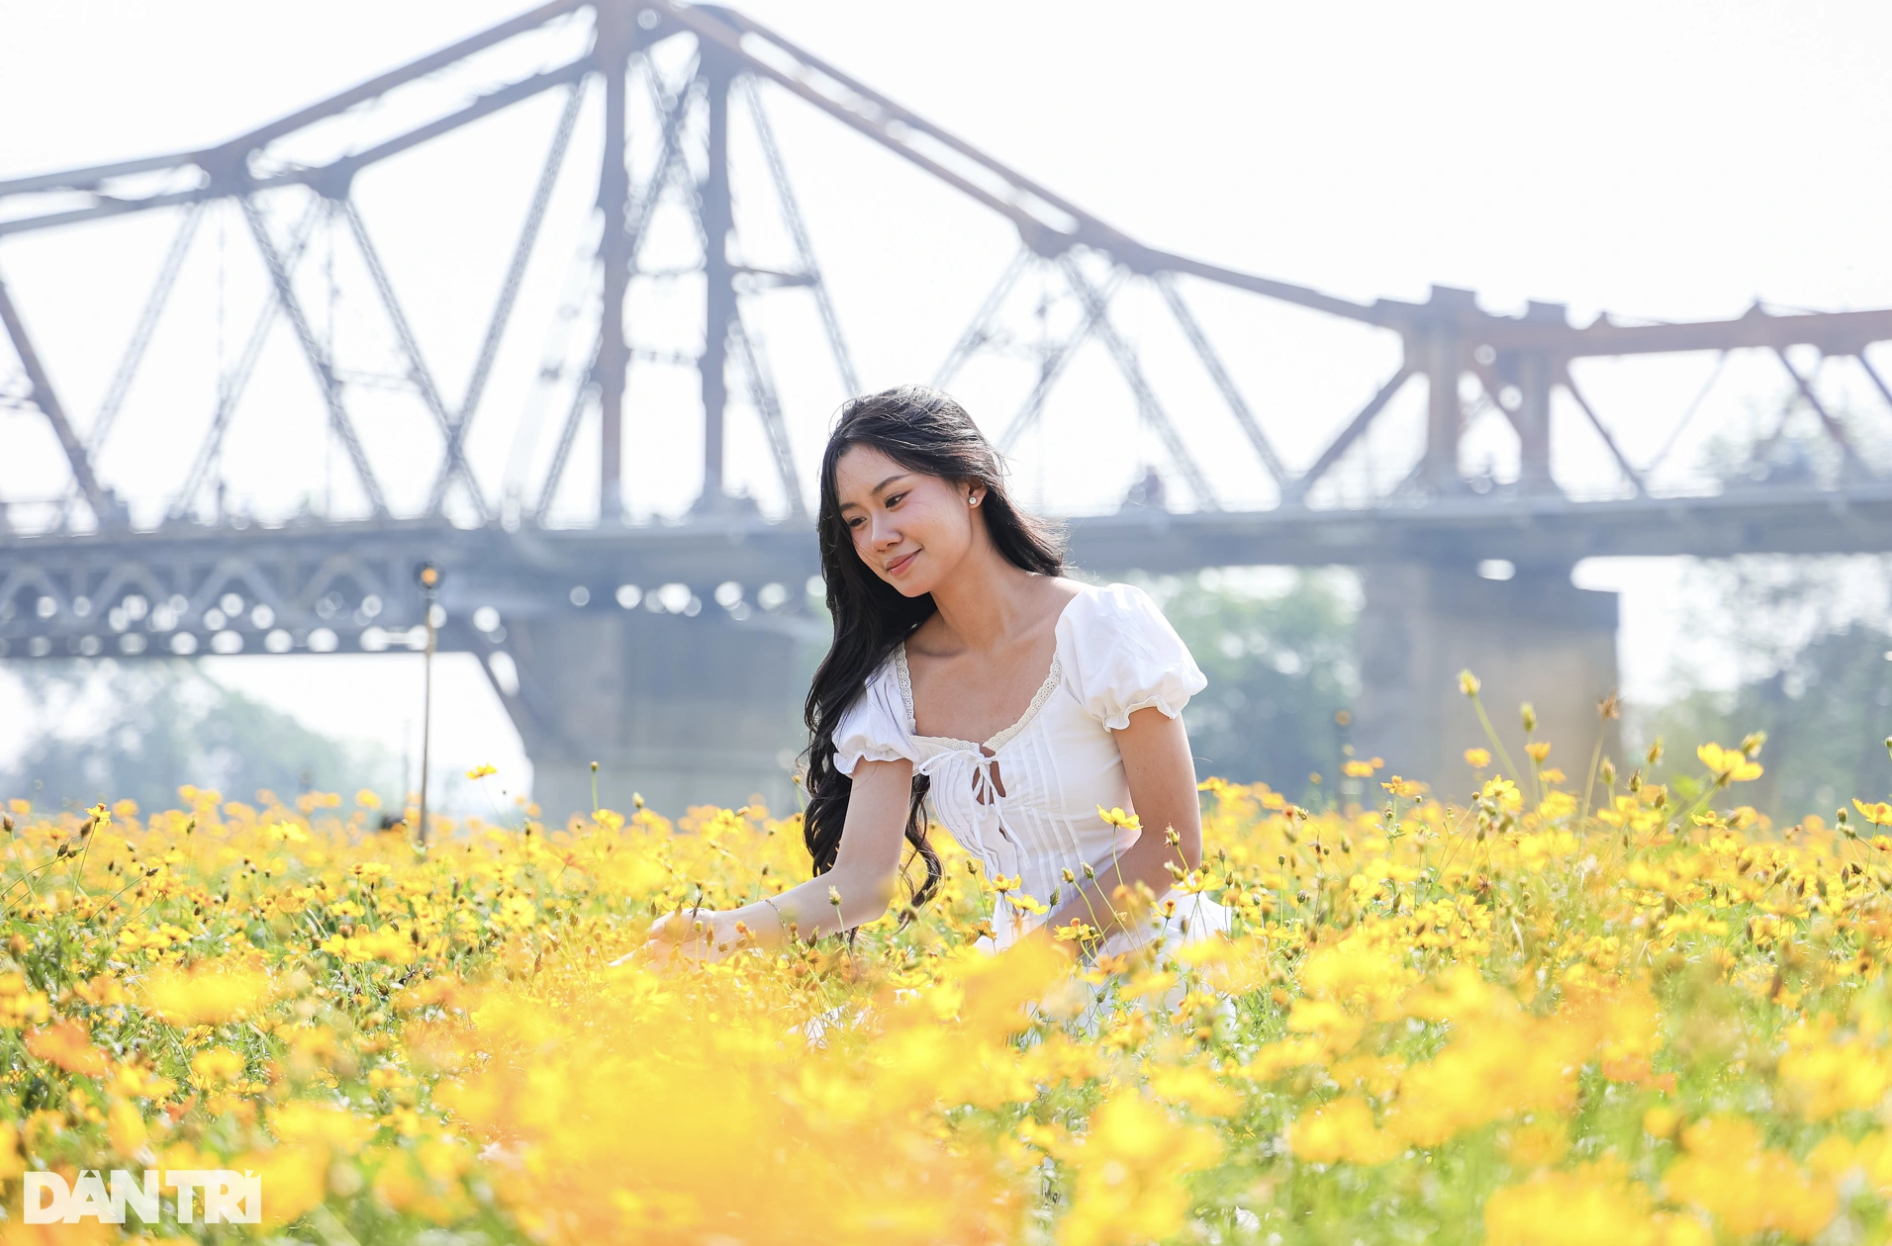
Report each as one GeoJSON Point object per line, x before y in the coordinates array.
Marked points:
{"type": "Point", "coordinates": [1162, 777]}
{"type": "Point", "coordinates": [866, 869]}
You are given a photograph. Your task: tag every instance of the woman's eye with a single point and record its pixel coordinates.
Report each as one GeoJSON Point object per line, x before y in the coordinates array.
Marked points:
{"type": "Point", "coordinates": [894, 500]}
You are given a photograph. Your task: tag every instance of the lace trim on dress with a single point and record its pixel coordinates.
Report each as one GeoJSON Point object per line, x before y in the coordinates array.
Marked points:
{"type": "Point", "coordinates": [1053, 678]}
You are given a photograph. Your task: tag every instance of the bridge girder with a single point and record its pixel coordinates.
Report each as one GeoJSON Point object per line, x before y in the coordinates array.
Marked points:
{"type": "Point", "coordinates": [65, 595]}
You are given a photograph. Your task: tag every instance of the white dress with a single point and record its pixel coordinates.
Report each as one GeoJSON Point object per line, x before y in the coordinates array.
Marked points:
{"type": "Point", "coordinates": [1026, 802]}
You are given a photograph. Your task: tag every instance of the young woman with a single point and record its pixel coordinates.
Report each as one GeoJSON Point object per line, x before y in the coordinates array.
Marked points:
{"type": "Point", "coordinates": [966, 669]}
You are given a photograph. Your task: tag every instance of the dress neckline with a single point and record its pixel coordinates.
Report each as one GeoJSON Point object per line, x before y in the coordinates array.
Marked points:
{"type": "Point", "coordinates": [1053, 677]}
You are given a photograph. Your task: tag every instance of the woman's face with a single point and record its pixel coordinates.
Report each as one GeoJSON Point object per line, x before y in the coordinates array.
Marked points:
{"type": "Point", "coordinates": [910, 529]}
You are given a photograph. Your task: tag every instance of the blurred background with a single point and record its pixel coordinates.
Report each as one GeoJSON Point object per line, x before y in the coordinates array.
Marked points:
{"type": "Point", "coordinates": [1376, 340]}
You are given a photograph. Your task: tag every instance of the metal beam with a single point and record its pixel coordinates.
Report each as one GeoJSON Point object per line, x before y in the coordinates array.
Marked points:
{"type": "Point", "coordinates": [332, 178]}
{"type": "Point", "coordinates": [1872, 373]}
{"type": "Point", "coordinates": [717, 220]}
{"type": "Point", "coordinates": [975, 334]}
{"type": "Point", "coordinates": [1132, 369]}
{"type": "Point", "coordinates": [1681, 426]}
{"type": "Point", "coordinates": [1052, 366]}
{"type": "Point", "coordinates": [1237, 405]}
{"type": "Point", "coordinates": [637, 230]}
{"type": "Point", "coordinates": [1296, 492]}
{"type": "Point", "coordinates": [147, 324]}
{"type": "Point", "coordinates": [1835, 333]}
{"type": "Point", "coordinates": [1531, 419]}
{"type": "Point", "coordinates": [804, 250]}
{"type": "Point", "coordinates": [614, 188]}
{"type": "Point", "coordinates": [89, 176]}
{"type": "Point", "coordinates": [532, 19]}
{"type": "Point", "coordinates": [230, 153]}
{"type": "Point", "coordinates": [508, 295]}
{"type": "Point", "coordinates": [1834, 428]}
{"type": "Point", "coordinates": [568, 435]}
{"type": "Point", "coordinates": [135, 348]}
{"type": "Point", "coordinates": [104, 508]}
{"type": "Point", "coordinates": [321, 366]}
{"type": "Point", "coordinates": [1048, 223]}
{"type": "Point", "coordinates": [1149, 259]}
{"type": "Point", "coordinates": [762, 392]}
{"type": "Point", "coordinates": [1445, 358]}
{"type": "Point", "coordinates": [230, 387]}
{"type": "Point", "coordinates": [1596, 422]}
{"type": "Point", "coordinates": [418, 371]}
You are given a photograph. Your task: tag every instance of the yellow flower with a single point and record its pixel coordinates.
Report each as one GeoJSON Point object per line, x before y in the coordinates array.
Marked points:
{"type": "Point", "coordinates": [68, 1044]}
{"type": "Point", "coordinates": [207, 994]}
{"type": "Point", "coordinates": [1503, 793]}
{"type": "Point", "coordinates": [1539, 750]}
{"type": "Point", "coordinates": [1341, 1131]}
{"type": "Point", "coordinates": [1468, 683]}
{"type": "Point", "coordinates": [1128, 1188]}
{"type": "Point", "coordinates": [1596, 1203]}
{"type": "Point", "coordinates": [1478, 758]}
{"type": "Point", "coordinates": [480, 772]}
{"type": "Point", "coordinates": [1725, 1171]}
{"type": "Point", "coordinates": [1728, 765]}
{"type": "Point", "coordinates": [1879, 814]}
{"type": "Point", "coordinates": [216, 1065]}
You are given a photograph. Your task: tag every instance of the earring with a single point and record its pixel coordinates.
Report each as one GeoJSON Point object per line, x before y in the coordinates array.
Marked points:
{"type": "Point", "coordinates": [973, 500]}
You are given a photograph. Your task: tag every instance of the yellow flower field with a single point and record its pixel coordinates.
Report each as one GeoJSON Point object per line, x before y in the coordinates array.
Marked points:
{"type": "Point", "coordinates": [1520, 1020]}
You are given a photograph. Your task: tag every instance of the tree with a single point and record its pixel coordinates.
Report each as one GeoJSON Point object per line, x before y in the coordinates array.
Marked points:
{"type": "Point", "coordinates": [141, 730]}
{"type": "Point", "coordinates": [1279, 659]}
{"type": "Point", "coordinates": [1827, 712]}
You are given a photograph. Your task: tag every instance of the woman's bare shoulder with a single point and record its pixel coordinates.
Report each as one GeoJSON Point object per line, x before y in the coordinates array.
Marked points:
{"type": "Point", "coordinates": [1061, 588]}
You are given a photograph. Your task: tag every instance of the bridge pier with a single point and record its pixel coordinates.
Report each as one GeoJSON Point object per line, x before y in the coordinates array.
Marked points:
{"type": "Point", "coordinates": [684, 711]}
{"type": "Point", "coordinates": [1535, 637]}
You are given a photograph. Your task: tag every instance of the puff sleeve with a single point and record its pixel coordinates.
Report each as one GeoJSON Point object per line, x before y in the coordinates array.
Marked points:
{"type": "Point", "coordinates": [875, 726]}
{"type": "Point", "coordinates": [1127, 657]}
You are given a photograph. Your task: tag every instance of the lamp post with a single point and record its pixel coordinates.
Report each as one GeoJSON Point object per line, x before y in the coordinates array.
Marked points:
{"type": "Point", "coordinates": [427, 575]}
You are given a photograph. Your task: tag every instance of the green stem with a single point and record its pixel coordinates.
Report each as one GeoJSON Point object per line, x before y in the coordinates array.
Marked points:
{"type": "Point", "coordinates": [1491, 734]}
{"type": "Point", "coordinates": [1596, 759]}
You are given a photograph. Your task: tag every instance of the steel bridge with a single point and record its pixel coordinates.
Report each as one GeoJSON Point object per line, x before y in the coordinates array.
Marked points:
{"type": "Point", "coordinates": [668, 650]}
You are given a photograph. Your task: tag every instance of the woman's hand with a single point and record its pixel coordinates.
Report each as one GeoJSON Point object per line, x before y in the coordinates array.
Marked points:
{"type": "Point", "coordinates": [692, 934]}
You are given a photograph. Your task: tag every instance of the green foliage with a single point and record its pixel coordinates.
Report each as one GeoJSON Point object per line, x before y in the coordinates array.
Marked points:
{"type": "Point", "coordinates": [142, 730]}
{"type": "Point", "coordinates": [1280, 667]}
{"type": "Point", "coordinates": [1826, 712]}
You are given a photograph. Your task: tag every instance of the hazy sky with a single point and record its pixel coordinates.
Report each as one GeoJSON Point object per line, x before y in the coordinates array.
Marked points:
{"type": "Point", "coordinates": [1664, 161]}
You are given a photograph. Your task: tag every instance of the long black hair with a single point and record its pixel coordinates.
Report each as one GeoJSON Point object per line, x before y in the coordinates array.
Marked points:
{"type": "Point", "coordinates": [924, 431]}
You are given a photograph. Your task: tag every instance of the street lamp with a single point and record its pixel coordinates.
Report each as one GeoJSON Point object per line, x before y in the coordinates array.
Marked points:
{"type": "Point", "coordinates": [427, 575]}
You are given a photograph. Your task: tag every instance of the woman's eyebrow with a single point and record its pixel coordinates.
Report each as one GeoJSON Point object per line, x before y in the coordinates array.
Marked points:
{"type": "Point", "coordinates": [876, 491]}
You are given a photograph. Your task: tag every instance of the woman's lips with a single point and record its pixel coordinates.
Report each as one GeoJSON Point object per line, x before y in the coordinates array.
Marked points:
{"type": "Point", "coordinates": [899, 565]}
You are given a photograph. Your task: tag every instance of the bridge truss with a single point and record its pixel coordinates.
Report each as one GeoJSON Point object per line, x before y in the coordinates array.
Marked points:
{"type": "Point", "coordinates": [83, 575]}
